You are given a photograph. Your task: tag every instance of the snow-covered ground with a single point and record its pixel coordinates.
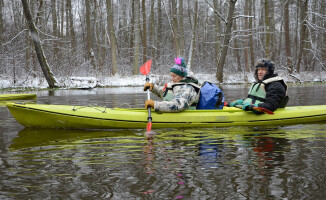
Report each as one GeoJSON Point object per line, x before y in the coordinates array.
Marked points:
{"type": "Point", "coordinates": [139, 80]}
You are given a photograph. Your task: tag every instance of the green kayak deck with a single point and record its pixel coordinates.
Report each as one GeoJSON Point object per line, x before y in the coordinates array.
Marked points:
{"type": "Point", "coordinates": [89, 117]}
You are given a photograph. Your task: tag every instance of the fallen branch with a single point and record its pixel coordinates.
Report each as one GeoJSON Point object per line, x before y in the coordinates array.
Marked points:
{"type": "Point", "coordinates": [295, 77]}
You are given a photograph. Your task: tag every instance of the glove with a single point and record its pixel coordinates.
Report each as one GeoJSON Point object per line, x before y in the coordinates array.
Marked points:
{"type": "Point", "coordinates": [149, 104]}
{"type": "Point", "coordinates": [236, 102]}
{"type": "Point", "coordinates": [248, 106]}
{"type": "Point", "coordinates": [149, 86]}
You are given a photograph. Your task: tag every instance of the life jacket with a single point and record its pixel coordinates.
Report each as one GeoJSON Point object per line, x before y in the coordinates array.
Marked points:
{"type": "Point", "coordinates": [257, 92]}
{"type": "Point", "coordinates": [211, 97]}
{"type": "Point", "coordinates": [168, 91]}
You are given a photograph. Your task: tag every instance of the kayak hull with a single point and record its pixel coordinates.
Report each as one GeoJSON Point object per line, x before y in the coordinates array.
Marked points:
{"type": "Point", "coordinates": [89, 117]}
{"type": "Point", "coordinates": [6, 97]}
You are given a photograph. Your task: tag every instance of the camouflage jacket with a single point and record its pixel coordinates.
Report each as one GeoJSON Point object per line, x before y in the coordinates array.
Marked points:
{"type": "Point", "coordinates": [182, 96]}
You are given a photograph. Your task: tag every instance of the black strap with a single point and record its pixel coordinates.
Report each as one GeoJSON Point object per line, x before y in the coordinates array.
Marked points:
{"type": "Point", "coordinates": [255, 98]}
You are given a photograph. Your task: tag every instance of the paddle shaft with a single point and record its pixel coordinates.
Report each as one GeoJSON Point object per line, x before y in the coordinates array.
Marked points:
{"type": "Point", "coordinates": [148, 98]}
{"type": "Point", "coordinates": [145, 69]}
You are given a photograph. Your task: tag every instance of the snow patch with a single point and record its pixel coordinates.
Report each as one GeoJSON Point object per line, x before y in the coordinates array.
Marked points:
{"type": "Point", "coordinates": [139, 80]}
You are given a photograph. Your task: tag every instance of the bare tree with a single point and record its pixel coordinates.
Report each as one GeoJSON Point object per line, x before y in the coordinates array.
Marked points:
{"type": "Point", "coordinates": [287, 36]}
{"type": "Point", "coordinates": [236, 50]}
{"type": "Point", "coordinates": [89, 34]}
{"type": "Point", "coordinates": [137, 37]}
{"type": "Point", "coordinates": [217, 27]}
{"type": "Point", "coordinates": [38, 47]}
{"type": "Point", "coordinates": [113, 40]}
{"type": "Point", "coordinates": [1, 23]}
{"type": "Point", "coordinates": [267, 29]}
{"type": "Point", "coordinates": [159, 29]}
{"type": "Point", "coordinates": [273, 41]}
{"type": "Point", "coordinates": [181, 29]}
{"type": "Point", "coordinates": [54, 27]}
{"type": "Point", "coordinates": [71, 27]}
{"type": "Point", "coordinates": [144, 33]}
{"type": "Point", "coordinates": [175, 27]}
{"type": "Point", "coordinates": [227, 37]}
{"type": "Point", "coordinates": [251, 38]}
{"type": "Point", "coordinates": [246, 26]}
{"type": "Point", "coordinates": [303, 15]}
{"type": "Point", "coordinates": [323, 10]}
{"type": "Point", "coordinates": [152, 29]}
{"type": "Point", "coordinates": [79, 34]}
{"type": "Point", "coordinates": [192, 43]}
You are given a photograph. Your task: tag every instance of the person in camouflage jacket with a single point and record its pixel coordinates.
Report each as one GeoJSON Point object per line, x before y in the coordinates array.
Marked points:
{"type": "Point", "coordinates": [179, 95]}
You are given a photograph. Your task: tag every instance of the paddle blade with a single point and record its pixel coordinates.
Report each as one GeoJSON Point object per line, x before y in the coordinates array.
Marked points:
{"type": "Point", "coordinates": [146, 67]}
{"type": "Point", "coordinates": [264, 110]}
{"type": "Point", "coordinates": [149, 126]}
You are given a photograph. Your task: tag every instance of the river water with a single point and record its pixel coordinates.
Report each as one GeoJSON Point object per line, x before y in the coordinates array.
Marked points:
{"type": "Point", "coordinates": [286, 162]}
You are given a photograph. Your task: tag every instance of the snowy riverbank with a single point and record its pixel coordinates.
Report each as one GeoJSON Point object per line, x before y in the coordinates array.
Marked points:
{"type": "Point", "coordinates": [138, 80]}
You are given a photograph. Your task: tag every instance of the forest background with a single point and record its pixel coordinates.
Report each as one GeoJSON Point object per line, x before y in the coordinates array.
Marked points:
{"type": "Point", "coordinates": [56, 40]}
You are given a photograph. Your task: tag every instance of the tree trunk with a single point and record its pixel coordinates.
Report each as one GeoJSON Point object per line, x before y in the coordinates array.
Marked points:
{"type": "Point", "coordinates": [38, 48]}
{"type": "Point", "coordinates": [159, 29]}
{"type": "Point", "coordinates": [71, 27]}
{"type": "Point", "coordinates": [236, 50]}
{"type": "Point", "coordinates": [267, 30]}
{"type": "Point", "coordinates": [152, 30]}
{"type": "Point", "coordinates": [54, 27]}
{"type": "Point", "coordinates": [217, 27]}
{"type": "Point", "coordinates": [38, 15]}
{"type": "Point", "coordinates": [296, 33]}
{"type": "Point", "coordinates": [251, 38]}
{"type": "Point", "coordinates": [227, 37]}
{"type": "Point", "coordinates": [272, 31]}
{"type": "Point", "coordinates": [144, 34]}
{"type": "Point", "coordinates": [137, 37]}
{"type": "Point", "coordinates": [62, 21]}
{"type": "Point", "coordinates": [89, 34]}
{"type": "Point", "coordinates": [112, 37]}
{"type": "Point", "coordinates": [175, 28]}
{"type": "Point", "coordinates": [323, 41]}
{"type": "Point", "coordinates": [1, 24]}
{"type": "Point", "coordinates": [246, 27]}
{"type": "Point", "coordinates": [287, 36]}
{"type": "Point", "coordinates": [192, 43]}
{"type": "Point", "coordinates": [181, 29]}
{"type": "Point", "coordinates": [303, 15]}
{"type": "Point", "coordinates": [132, 31]}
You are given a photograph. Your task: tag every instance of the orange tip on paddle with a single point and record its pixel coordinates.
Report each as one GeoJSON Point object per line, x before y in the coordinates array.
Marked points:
{"type": "Point", "coordinates": [264, 110]}
{"type": "Point", "coordinates": [149, 126]}
{"type": "Point", "coordinates": [146, 67]}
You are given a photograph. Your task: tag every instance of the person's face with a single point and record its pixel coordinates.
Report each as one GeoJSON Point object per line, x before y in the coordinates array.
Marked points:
{"type": "Point", "coordinates": [175, 77]}
{"type": "Point", "coordinates": [261, 72]}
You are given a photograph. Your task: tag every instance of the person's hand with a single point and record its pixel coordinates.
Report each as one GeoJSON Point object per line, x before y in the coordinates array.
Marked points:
{"type": "Point", "coordinates": [149, 104]}
{"type": "Point", "coordinates": [248, 106]}
{"type": "Point", "coordinates": [149, 86]}
{"type": "Point", "coordinates": [236, 102]}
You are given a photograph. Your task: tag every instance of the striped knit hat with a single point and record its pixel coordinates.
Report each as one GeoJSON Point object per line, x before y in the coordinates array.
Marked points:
{"type": "Point", "coordinates": [180, 67]}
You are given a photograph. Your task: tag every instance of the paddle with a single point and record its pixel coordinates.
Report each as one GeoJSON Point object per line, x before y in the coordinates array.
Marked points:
{"type": "Point", "coordinates": [259, 109]}
{"type": "Point", "coordinates": [145, 69]}
{"type": "Point", "coordinates": [264, 110]}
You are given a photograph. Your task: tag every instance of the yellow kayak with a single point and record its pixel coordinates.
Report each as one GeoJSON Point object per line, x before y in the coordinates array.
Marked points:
{"type": "Point", "coordinates": [90, 117]}
{"type": "Point", "coordinates": [7, 97]}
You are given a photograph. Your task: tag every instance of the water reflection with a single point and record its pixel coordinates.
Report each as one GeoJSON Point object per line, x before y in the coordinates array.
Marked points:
{"type": "Point", "coordinates": [167, 164]}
